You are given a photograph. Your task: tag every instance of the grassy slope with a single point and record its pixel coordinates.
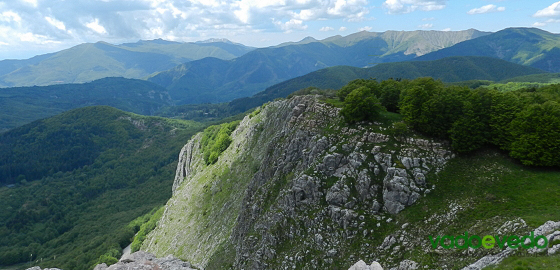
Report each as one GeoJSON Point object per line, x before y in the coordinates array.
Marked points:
{"type": "Point", "coordinates": [203, 212]}
{"type": "Point", "coordinates": [493, 189]}
{"type": "Point", "coordinates": [77, 214]}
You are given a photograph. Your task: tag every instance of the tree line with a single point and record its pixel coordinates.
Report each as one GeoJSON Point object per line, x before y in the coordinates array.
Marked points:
{"type": "Point", "coordinates": [523, 122]}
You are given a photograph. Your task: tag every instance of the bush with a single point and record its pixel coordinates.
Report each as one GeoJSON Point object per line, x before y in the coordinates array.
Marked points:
{"type": "Point", "coordinates": [360, 105]}
{"type": "Point", "coordinates": [215, 140]}
{"type": "Point", "coordinates": [399, 129]}
{"type": "Point", "coordinates": [145, 229]}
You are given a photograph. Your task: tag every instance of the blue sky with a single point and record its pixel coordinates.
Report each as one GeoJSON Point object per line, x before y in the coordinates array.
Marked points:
{"type": "Point", "coordinates": [32, 27]}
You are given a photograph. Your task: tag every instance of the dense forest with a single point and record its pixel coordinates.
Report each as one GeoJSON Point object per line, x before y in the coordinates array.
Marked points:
{"type": "Point", "coordinates": [22, 105]}
{"type": "Point", "coordinates": [524, 122]}
{"type": "Point", "coordinates": [72, 184]}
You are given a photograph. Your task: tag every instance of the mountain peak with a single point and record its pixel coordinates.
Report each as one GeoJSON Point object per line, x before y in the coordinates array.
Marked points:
{"type": "Point", "coordinates": [213, 40]}
{"type": "Point", "coordinates": [308, 39]}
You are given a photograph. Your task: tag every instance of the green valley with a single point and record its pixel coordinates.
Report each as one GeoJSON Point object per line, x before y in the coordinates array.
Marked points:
{"type": "Point", "coordinates": [72, 183]}
{"type": "Point", "coordinates": [22, 105]}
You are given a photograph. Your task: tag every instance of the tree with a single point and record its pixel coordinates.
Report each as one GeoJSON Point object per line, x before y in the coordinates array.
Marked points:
{"type": "Point", "coordinates": [469, 132]}
{"type": "Point", "coordinates": [390, 94]}
{"type": "Point", "coordinates": [536, 133]}
{"type": "Point", "coordinates": [505, 107]}
{"type": "Point", "coordinates": [360, 105]}
{"type": "Point", "coordinates": [372, 85]}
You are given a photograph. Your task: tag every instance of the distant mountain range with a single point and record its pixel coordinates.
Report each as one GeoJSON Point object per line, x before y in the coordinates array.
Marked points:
{"type": "Point", "coordinates": [527, 46]}
{"type": "Point", "coordinates": [21, 105]}
{"type": "Point", "coordinates": [219, 70]}
{"type": "Point", "coordinates": [214, 80]}
{"type": "Point", "coordinates": [451, 69]}
{"type": "Point", "coordinates": [91, 61]}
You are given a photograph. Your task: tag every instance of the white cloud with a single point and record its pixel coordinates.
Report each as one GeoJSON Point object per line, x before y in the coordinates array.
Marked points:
{"type": "Point", "coordinates": [550, 11]}
{"type": "Point", "coordinates": [342, 29]}
{"type": "Point", "coordinates": [365, 28]}
{"type": "Point", "coordinates": [326, 29]}
{"type": "Point", "coordinates": [545, 23]}
{"type": "Point", "coordinates": [56, 23]}
{"type": "Point", "coordinates": [426, 26]}
{"type": "Point", "coordinates": [407, 6]}
{"type": "Point", "coordinates": [33, 3]}
{"type": "Point", "coordinates": [95, 26]}
{"type": "Point", "coordinates": [291, 25]}
{"type": "Point", "coordinates": [34, 38]}
{"type": "Point", "coordinates": [486, 9]}
{"type": "Point", "coordinates": [428, 19]}
{"type": "Point", "coordinates": [78, 21]}
{"type": "Point", "coordinates": [446, 29]}
{"type": "Point", "coordinates": [10, 16]}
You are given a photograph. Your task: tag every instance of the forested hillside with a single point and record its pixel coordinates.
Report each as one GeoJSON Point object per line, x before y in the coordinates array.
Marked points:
{"type": "Point", "coordinates": [71, 184]}
{"type": "Point", "coordinates": [452, 69]}
{"type": "Point", "coordinates": [21, 105]}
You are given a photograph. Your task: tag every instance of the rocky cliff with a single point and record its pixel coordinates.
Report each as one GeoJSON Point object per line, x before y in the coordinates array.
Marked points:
{"type": "Point", "coordinates": [300, 189]}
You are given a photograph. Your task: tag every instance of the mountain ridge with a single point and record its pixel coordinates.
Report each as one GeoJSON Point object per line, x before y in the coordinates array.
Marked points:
{"type": "Point", "coordinates": [479, 68]}
{"type": "Point", "coordinates": [90, 61]}
{"type": "Point", "coordinates": [528, 46]}
{"type": "Point", "coordinates": [200, 82]}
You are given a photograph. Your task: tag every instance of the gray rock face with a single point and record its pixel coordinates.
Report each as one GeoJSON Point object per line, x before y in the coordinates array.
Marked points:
{"type": "Point", "coordinates": [338, 193]}
{"type": "Point", "coordinates": [187, 163]}
{"type": "Point", "coordinates": [141, 260]}
{"type": "Point", "coordinates": [398, 190]}
{"type": "Point", "coordinates": [406, 265]}
{"type": "Point", "coordinates": [361, 265]}
{"type": "Point", "coordinates": [319, 185]}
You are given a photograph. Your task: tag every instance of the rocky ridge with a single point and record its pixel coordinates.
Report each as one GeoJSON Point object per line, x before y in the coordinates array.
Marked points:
{"type": "Point", "coordinates": [307, 186]}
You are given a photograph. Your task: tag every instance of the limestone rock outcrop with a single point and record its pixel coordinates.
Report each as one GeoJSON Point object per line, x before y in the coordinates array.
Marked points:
{"type": "Point", "coordinates": [141, 260]}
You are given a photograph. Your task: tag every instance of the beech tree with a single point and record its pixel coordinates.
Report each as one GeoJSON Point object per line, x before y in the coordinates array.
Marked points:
{"type": "Point", "coordinates": [360, 105]}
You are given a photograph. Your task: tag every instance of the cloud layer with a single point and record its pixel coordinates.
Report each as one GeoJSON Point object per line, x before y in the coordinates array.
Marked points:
{"type": "Point", "coordinates": [486, 9]}
{"type": "Point", "coordinates": [44, 21]}
{"type": "Point", "coordinates": [407, 6]}
{"type": "Point", "coordinates": [550, 11]}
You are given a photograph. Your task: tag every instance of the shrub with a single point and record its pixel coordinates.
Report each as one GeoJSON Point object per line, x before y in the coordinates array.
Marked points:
{"type": "Point", "coordinates": [215, 140]}
{"type": "Point", "coordinates": [360, 105]}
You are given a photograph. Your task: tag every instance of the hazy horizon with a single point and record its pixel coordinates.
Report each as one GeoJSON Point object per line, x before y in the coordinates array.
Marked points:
{"type": "Point", "coordinates": [35, 27]}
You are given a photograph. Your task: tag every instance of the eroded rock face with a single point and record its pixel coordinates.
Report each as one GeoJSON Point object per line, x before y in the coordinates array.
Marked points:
{"type": "Point", "coordinates": [141, 260]}
{"type": "Point", "coordinates": [317, 184]}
